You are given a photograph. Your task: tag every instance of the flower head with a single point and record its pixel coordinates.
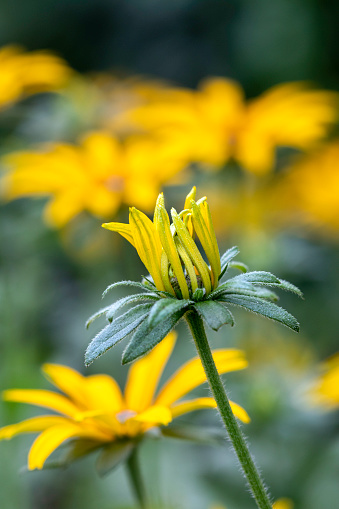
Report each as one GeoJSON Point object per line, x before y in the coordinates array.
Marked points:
{"type": "Point", "coordinates": [325, 393]}
{"type": "Point", "coordinates": [215, 123]}
{"type": "Point", "coordinates": [182, 281]}
{"type": "Point", "coordinates": [169, 252]}
{"type": "Point", "coordinates": [95, 176]}
{"type": "Point", "coordinates": [95, 414]}
{"type": "Point", "coordinates": [29, 73]}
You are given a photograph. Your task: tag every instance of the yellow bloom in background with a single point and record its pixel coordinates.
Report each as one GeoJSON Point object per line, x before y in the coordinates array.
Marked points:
{"type": "Point", "coordinates": [25, 73]}
{"type": "Point", "coordinates": [93, 408]}
{"type": "Point", "coordinates": [169, 252]}
{"type": "Point", "coordinates": [308, 193]}
{"type": "Point", "coordinates": [325, 393]}
{"type": "Point", "coordinates": [216, 123]}
{"type": "Point", "coordinates": [282, 503]}
{"type": "Point", "coordinates": [97, 176]}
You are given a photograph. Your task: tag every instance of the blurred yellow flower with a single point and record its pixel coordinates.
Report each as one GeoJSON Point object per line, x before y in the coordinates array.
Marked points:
{"type": "Point", "coordinates": [97, 175]}
{"type": "Point", "coordinates": [165, 249]}
{"type": "Point", "coordinates": [283, 503]}
{"type": "Point", "coordinates": [215, 123]}
{"type": "Point", "coordinates": [94, 409]}
{"type": "Point", "coordinates": [325, 393]}
{"type": "Point", "coordinates": [308, 192]}
{"type": "Point", "coordinates": [24, 73]}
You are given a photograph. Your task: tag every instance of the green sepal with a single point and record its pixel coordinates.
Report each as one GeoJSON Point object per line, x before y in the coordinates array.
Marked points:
{"type": "Point", "coordinates": [113, 454]}
{"type": "Point", "coordinates": [264, 308]}
{"type": "Point", "coordinates": [137, 284]}
{"type": "Point", "coordinates": [226, 258]}
{"type": "Point", "coordinates": [164, 308]}
{"type": "Point", "coordinates": [284, 285]}
{"type": "Point", "coordinates": [238, 265]}
{"type": "Point", "coordinates": [112, 309]}
{"type": "Point", "coordinates": [240, 287]}
{"type": "Point", "coordinates": [147, 337]}
{"type": "Point", "coordinates": [116, 331]}
{"type": "Point", "coordinates": [199, 294]}
{"type": "Point", "coordinates": [267, 279]}
{"type": "Point", "coordinates": [68, 453]}
{"type": "Point", "coordinates": [197, 434]}
{"type": "Point", "coordinates": [131, 299]}
{"type": "Point", "coordinates": [258, 276]}
{"type": "Point", "coordinates": [214, 313]}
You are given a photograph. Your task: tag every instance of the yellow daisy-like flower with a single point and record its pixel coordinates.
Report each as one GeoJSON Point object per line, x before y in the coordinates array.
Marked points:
{"type": "Point", "coordinates": [325, 393]}
{"type": "Point", "coordinates": [308, 191]}
{"type": "Point", "coordinates": [96, 176]}
{"type": "Point", "coordinates": [169, 252]}
{"type": "Point", "coordinates": [182, 281]}
{"type": "Point", "coordinates": [94, 410]}
{"type": "Point", "coordinates": [25, 73]}
{"type": "Point", "coordinates": [216, 123]}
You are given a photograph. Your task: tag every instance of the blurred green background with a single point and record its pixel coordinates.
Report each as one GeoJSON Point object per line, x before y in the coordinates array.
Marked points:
{"type": "Point", "coordinates": [52, 281]}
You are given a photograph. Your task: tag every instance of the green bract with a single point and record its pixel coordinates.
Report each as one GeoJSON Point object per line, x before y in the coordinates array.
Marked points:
{"type": "Point", "coordinates": [153, 313]}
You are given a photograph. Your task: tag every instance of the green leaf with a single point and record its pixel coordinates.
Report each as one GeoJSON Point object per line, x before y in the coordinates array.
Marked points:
{"type": "Point", "coordinates": [226, 258]}
{"type": "Point", "coordinates": [113, 454]}
{"type": "Point", "coordinates": [127, 283]}
{"type": "Point", "coordinates": [197, 434]}
{"type": "Point", "coordinates": [214, 313]}
{"type": "Point", "coordinates": [264, 308]}
{"type": "Point", "coordinates": [164, 308]}
{"type": "Point", "coordinates": [146, 337]}
{"type": "Point", "coordinates": [116, 331]}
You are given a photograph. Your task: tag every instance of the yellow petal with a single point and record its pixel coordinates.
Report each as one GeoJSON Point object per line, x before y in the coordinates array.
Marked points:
{"type": "Point", "coordinates": [192, 374]}
{"type": "Point", "coordinates": [208, 241]}
{"type": "Point", "coordinates": [47, 399]}
{"type": "Point", "coordinates": [192, 250]}
{"type": "Point", "coordinates": [200, 403]}
{"type": "Point", "coordinates": [164, 273]}
{"type": "Point", "coordinates": [92, 392]}
{"type": "Point", "coordinates": [32, 425]}
{"type": "Point", "coordinates": [50, 439]}
{"type": "Point", "coordinates": [154, 415]}
{"type": "Point", "coordinates": [104, 393]}
{"type": "Point", "coordinates": [63, 207]}
{"type": "Point", "coordinates": [162, 225]}
{"type": "Point", "coordinates": [190, 197]}
{"type": "Point", "coordinates": [188, 264]}
{"type": "Point", "coordinates": [144, 375]}
{"type": "Point", "coordinates": [68, 381]}
{"type": "Point", "coordinates": [124, 230]}
{"type": "Point", "coordinates": [147, 244]}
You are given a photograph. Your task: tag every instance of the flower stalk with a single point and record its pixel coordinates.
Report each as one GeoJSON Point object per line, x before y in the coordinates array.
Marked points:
{"type": "Point", "coordinates": [251, 473]}
{"type": "Point", "coordinates": [136, 478]}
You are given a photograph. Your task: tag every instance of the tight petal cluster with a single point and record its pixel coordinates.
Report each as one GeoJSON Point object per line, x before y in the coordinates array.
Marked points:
{"type": "Point", "coordinates": [169, 251]}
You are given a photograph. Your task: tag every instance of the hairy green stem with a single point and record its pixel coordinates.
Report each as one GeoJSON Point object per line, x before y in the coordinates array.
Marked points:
{"type": "Point", "coordinates": [135, 477]}
{"type": "Point", "coordinates": [252, 475]}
